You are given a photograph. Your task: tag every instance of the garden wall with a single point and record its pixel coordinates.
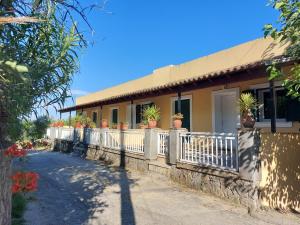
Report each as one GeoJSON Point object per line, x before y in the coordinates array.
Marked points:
{"type": "Point", "coordinates": [280, 161]}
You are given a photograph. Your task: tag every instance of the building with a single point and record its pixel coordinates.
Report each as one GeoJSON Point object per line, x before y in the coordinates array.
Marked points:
{"type": "Point", "coordinates": [206, 91]}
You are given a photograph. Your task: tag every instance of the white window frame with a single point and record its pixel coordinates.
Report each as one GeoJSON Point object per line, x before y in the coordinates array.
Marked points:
{"type": "Point", "coordinates": [111, 116]}
{"type": "Point", "coordinates": [172, 105]}
{"type": "Point", "coordinates": [266, 123]}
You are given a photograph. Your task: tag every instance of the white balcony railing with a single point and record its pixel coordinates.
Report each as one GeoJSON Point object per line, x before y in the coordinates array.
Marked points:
{"type": "Point", "coordinates": [163, 142]}
{"type": "Point", "coordinates": [134, 140]}
{"type": "Point", "coordinates": [129, 140]}
{"type": "Point", "coordinates": [66, 133]}
{"type": "Point", "coordinates": [214, 149]}
{"type": "Point", "coordinates": [92, 136]}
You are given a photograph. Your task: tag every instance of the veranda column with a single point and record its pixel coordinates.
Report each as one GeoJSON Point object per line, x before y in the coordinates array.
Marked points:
{"type": "Point", "coordinates": [151, 143]}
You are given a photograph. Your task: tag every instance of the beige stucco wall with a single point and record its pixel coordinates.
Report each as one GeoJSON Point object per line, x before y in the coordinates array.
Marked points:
{"type": "Point", "coordinates": [280, 157]}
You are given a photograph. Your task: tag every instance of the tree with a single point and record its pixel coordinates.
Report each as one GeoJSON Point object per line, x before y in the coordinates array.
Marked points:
{"type": "Point", "coordinates": [35, 129]}
{"type": "Point", "coordinates": [37, 63]}
{"type": "Point", "coordinates": [287, 30]}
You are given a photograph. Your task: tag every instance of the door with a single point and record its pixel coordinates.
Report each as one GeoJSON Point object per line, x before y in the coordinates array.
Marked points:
{"type": "Point", "coordinates": [185, 111]}
{"type": "Point", "coordinates": [225, 112]}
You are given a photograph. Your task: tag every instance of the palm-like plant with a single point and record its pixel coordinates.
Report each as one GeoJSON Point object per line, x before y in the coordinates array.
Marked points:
{"type": "Point", "coordinates": [151, 113]}
{"type": "Point", "coordinates": [247, 103]}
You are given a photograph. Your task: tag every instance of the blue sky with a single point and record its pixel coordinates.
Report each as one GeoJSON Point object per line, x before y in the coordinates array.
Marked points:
{"type": "Point", "coordinates": [134, 37]}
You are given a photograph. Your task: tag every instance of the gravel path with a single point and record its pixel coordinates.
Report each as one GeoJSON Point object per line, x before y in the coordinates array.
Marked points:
{"type": "Point", "coordinates": [75, 191]}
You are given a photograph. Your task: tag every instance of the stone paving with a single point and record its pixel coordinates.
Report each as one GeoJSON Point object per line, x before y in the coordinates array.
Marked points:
{"type": "Point", "coordinates": [75, 191]}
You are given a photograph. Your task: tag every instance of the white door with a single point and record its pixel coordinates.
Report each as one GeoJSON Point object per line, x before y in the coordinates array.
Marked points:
{"type": "Point", "coordinates": [225, 112]}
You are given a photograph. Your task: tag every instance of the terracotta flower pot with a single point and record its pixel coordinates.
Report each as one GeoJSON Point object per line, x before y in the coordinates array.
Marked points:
{"type": "Point", "coordinates": [124, 126]}
{"type": "Point", "coordinates": [104, 124]}
{"type": "Point", "coordinates": [142, 126]}
{"type": "Point", "coordinates": [177, 123]}
{"type": "Point", "coordinates": [248, 120]}
{"type": "Point", "coordinates": [152, 123]}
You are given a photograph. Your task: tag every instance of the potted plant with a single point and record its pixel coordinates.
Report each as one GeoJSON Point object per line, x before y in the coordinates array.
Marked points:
{"type": "Point", "coordinates": [114, 126]}
{"type": "Point", "coordinates": [124, 125]}
{"type": "Point", "coordinates": [104, 123]}
{"type": "Point", "coordinates": [152, 115]}
{"type": "Point", "coordinates": [177, 120]}
{"type": "Point", "coordinates": [247, 103]}
{"type": "Point", "coordinates": [143, 124]}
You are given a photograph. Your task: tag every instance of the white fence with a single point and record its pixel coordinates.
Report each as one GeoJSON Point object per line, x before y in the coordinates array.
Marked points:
{"type": "Point", "coordinates": [214, 149]}
{"type": "Point", "coordinates": [163, 142]}
{"type": "Point", "coordinates": [129, 140]}
{"type": "Point", "coordinates": [66, 133]}
{"type": "Point", "coordinates": [112, 139]}
{"type": "Point", "coordinates": [92, 136]}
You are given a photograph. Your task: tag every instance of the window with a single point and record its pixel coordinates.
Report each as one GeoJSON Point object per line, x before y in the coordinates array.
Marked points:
{"type": "Point", "coordinates": [264, 99]}
{"type": "Point", "coordinates": [94, 117]}
{"type": "Point", "coordinates": [114, 116]}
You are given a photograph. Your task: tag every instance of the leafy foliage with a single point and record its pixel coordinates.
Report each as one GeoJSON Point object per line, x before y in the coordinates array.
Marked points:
{"type": "Point", "coordinates": [37, 62]}
{"type": "Point", "coordinates": [151, 113]}
{"type": "Point", "coordinates": [288, 31]}
{"type": "Point", "coordinates": [18, 207]}
{"type": "Point", "coordinates": [247, 102]}
{"type": "Point", "coordinates": [79, 121]}
{"type": "Point", "coordinates": [177, 116]}
{"type": "Point", "coordinates": [35, 129]}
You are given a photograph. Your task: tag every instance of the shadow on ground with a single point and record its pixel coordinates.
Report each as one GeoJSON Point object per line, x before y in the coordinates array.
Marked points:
{"type": "Point", "coordinates": [71, 189]}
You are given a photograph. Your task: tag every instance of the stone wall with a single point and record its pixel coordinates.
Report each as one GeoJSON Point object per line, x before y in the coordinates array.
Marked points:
{"type": "Point", "coordinates": [118, 158]}
{"type": "Point", "coordinates": [62, 146]}
{"type": "Point", "coordinates": [239, 186]}
{"type": "Point", "coordinates": [224, 184]}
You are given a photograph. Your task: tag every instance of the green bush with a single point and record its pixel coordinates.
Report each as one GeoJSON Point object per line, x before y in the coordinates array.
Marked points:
{"type": "Point", "coordinates": [35, 129]}
{"type": "Point", "coordinates": [18, 208]}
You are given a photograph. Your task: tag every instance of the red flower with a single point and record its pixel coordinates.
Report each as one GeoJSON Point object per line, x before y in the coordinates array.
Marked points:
{"type": "Point", "coordinates": [24, 182]}
{"type": "Point", "coordinates": [14, 151]}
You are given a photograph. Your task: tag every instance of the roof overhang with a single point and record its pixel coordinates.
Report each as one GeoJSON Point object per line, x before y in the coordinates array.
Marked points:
{"type": "Point", "coordinates": [232, 75]}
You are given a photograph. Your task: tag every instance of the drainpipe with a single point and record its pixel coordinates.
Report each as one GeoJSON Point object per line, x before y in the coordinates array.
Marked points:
{"type": "Point", "coordinates": [273, 109]}
{"type": "Point", "coordinates": [131, 114]}
{"type": "Point", "coordinates": [179, 102]}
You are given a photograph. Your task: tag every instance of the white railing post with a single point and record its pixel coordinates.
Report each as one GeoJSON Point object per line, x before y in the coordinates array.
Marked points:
{"type": "Point", "coordinates": [175, 145]}
{"type": "Point", "coordinates": [150, 143]}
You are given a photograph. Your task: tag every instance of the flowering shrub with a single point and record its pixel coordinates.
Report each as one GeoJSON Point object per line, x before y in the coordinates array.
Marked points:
{"type": "Point", "coordinates": [24, 182]}
{"type": "Point", "coordinates": [78, 125]}
{"type": "Point", "coordinates": [58, 123]}
{"type": "Point", "coordinates": [26, 144]}
{"type": "Point", "coordinates": [15, 151]}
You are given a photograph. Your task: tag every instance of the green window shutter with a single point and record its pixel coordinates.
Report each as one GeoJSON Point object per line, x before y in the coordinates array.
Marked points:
{"type": "Point", "coordinates": [115, 116]}
{"type": "Point", "coordinates": [138, 114]}
{"type": "Point", "coordinates": [293, 110]}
